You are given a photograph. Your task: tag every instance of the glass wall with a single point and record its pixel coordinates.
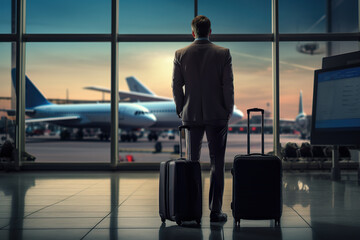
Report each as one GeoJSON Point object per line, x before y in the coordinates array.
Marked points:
{"type": "Point", "coordinates": [5, 16]}
{"type": "Point", "coordinates": [67, 16]}
{"type": "Point", "coordinates": [155, 17]}
{"type": "Point", "coordinates": [321, 16]}
{"type": "Point", "coordinates": [297, 77]}
{"type": "Point", "coordinates": [252, 89]}
{"type": "Point", "coordinates": [7, 100]}
{"type": "Point", "coordinates": [305, 16]}
{"type": "Point", "coordinates": [344, 16]}
{"type": "Point", "coordinates": [72, 119]}
{"type": "Point", "coordinates": [61, 71]}
{"type": "Point", "coordinates": [239, 16]}
{"type": "Point", "coordinates": [152, 64]}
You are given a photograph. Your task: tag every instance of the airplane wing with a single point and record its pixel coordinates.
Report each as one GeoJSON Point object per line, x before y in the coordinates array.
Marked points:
{"type": "Point", "coordinates": [100, 89]}
{"type": "Point", "coordinates": [51, 119]}
{"type": "Point", "coordinates": [132, 96]}
{"type": "Point", "coordinates": [12, 112]}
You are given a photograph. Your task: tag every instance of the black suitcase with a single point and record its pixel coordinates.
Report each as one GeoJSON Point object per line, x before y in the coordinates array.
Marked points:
{"type": "Point", "coordinates": [257, 183]}
{"type": "Point", "coordinates": [180, 189]}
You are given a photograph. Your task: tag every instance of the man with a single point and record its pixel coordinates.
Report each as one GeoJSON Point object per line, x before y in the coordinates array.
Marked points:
{"type": "Point", "coordinates": [205, 70]}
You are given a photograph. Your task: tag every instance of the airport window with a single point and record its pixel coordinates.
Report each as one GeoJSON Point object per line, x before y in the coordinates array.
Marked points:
{"type": "Point", "coordinates": [252, 80]}
{"type": "Point", "coordinates": [320, 16]}
{"type": "Point", "coordinates": [149, 63]}
{"type": "Point", "coordinates": [252, 88]}
{"type": "Point", "coordinates": [7, 101]}
{"type": "Point", "coordinates": [62, 71]}
{"type": "Point", "coordinates": [297, 78]}
{"type": "Point", "coordinates": [68, 16]}
{"type": "Point", "coordinates": [155, 17]}
{"type": "Point", "coordinates": [302, 16]}
{"type": "Point", "coordinates": [229, 16]}
{"type": "Point", "coordinates": [5, 16]}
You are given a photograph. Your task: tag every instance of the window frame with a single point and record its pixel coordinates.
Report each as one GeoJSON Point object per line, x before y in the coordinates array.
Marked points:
{"type": "Point", "coordinates": [21, 38]}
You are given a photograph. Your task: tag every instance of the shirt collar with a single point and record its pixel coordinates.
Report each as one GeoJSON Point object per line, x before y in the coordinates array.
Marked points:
{"type": "Point", "coordinates": [202, 38]}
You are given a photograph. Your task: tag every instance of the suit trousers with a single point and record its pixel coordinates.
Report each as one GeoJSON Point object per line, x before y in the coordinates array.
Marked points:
{"type": "Point", "coordinates": [216, 136]}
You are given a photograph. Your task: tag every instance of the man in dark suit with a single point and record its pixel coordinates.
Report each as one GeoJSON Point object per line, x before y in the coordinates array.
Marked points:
{"type": "Point", "coordinates": [205, 70]}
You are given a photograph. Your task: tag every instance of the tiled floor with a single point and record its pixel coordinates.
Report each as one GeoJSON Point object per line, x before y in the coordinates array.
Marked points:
{"type": "Point", "coordinates": [124, 205]}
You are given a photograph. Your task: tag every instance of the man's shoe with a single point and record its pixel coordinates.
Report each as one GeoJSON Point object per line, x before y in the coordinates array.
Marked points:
{"type": "Point", "coordinates": [218, 217]}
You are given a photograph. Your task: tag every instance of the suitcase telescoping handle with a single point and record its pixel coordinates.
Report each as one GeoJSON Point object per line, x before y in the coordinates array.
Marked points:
{"type": "Point", "coordinates": [188, 143]}
{"type": "Point", "coordinates": [262, 128]}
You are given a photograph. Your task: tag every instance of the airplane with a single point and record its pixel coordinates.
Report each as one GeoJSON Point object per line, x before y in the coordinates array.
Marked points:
{"type": "Point", "coordinates": [301, 120]}
{"type": "Point", "coordinates": [301, 123]}
{"type": "Point", "coordinates": [163, 108]}
{"type": "Point", "coordinates": [89, 115]}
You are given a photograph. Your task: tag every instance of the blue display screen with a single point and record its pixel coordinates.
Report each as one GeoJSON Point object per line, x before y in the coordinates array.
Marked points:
{"type": "Point", "coordinates": [338, 99]}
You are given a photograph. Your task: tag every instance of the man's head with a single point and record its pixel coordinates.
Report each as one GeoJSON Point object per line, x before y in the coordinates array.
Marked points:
{"type": "Point", "coordinates": [201, 26]}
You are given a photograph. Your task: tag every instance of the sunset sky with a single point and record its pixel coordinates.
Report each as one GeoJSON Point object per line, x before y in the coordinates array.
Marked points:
{"type": "Point", "coordinates": [56, 68]}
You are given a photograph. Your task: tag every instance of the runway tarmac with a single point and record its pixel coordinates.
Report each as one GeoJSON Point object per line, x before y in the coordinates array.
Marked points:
{"type": "Point", "coordinates": [52, 149]}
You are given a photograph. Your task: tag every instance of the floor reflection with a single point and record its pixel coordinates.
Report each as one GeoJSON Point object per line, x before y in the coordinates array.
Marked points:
{"type": "Point", "coordinates": [216, 231]}
{"type": "Point", "coordinates": [16, 187]}
{"type": "Point", "coordinates": [180, 233]}
{"type": "Point", "coordinates": [331, 208]}
{"type": "Point", "coordinates": [273, 233]}
{"type": "Point", "coordinates": [124, 205]}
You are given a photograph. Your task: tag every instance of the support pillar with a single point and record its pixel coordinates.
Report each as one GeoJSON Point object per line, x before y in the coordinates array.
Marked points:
{"type": "Point", "coordinates": [276, 73]}
{"type": "Point", "coordinates": [114, 83]}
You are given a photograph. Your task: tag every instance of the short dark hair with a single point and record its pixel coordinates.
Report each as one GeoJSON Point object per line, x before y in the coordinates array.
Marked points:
{"type": "Point", "coordinates": [201, 26]}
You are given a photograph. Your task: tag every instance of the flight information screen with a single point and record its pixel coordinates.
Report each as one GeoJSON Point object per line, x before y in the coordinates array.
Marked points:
{"type": "Point", "coordinates": [338, 99]}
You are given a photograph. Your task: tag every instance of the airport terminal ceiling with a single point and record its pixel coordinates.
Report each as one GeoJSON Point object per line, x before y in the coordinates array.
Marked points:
{"type": "Point", "coordinates": [62, 70]}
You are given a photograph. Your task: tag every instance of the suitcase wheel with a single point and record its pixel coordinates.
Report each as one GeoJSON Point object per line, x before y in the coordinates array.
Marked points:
{"type": "Point", "coordinates": [163, 220]}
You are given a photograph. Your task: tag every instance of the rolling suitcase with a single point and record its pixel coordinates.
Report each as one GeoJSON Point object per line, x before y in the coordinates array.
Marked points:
{"type": "Point", "coordinates": [180, 189]}
{"type": "Point", "coordinates": [257, 183]}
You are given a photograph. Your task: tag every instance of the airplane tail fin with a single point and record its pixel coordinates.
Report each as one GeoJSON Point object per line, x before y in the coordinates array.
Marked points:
{"type": "Point", "coordinates": [136, 86]}
{"type": "Point", "coordinates": [33, 96]}
{"type": "Point", "coordinates": [301, 109]}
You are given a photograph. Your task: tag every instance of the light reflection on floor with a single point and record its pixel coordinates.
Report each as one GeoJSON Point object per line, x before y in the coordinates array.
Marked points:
{"type": "Point", "coordinates": [124, 205]}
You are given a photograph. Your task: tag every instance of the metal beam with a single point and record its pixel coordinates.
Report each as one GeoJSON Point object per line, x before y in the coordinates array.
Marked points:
{"type": "Point", "coordinates": [67, 37]}
{"type": "Point", "coordinates": [189, 38]}
{"type": "Point", "coordinates": [320, 37]}
{"type": "Point", "coordinates": [114, 83]}
{"type": "Point", "coordinates": [275, 77]}
{"type": "Point", "coordinates": [328, 26]}
{"type": "Point", "coordinates": [182, 37]}
{"type": "Point", "coordinates": [20, 82]}
{"type": "Point", "coordinates": [196, 4]}
{"type": "Point", "coordinates": [7, 37]}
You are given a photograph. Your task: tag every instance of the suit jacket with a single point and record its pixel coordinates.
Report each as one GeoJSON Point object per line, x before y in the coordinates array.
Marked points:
{"type": "Point", "coordinates": [205, 70]}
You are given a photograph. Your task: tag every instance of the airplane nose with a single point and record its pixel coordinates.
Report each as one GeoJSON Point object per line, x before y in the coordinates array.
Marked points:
{"type": "Point", "coordinates": [149, 120]}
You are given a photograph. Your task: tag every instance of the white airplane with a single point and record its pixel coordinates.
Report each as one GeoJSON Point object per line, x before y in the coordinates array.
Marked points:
{"type": "Point", "coordinates": [301, 120]}
{"type": "Point", "coordinates": [90, 115]}
{"type": "Point", "coordinates": [162, 107]}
